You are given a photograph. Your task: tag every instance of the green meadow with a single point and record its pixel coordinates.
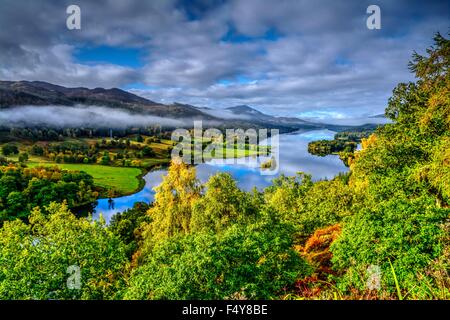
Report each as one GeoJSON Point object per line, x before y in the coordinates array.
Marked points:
{"type": "Point", "coordinates": [122, 180]}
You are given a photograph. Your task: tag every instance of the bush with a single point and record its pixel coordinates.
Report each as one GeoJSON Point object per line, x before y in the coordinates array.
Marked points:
{"type": "Point", "coordinates": [403, 231]}
{"type": "Point", "coordinates": [253, 261]}
{"type": "Point", "coordinates": [23, 157]}
{"type": "Point", "coordinates": [126, 225]}
{"type": "Point", "coordinates": [35, 257]}
{"type": "Point", "coordinates": [9, 149]}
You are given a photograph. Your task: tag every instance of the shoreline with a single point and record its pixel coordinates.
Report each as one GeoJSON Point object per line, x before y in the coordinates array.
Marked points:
{"type": "Point", "coordinates": [141, 181]}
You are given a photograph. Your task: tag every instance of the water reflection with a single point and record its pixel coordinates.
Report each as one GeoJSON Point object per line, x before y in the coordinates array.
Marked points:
{"type": "Point", "coordinates": [294, 157]}
{"type": "Point", "coordinates": [110, 204]}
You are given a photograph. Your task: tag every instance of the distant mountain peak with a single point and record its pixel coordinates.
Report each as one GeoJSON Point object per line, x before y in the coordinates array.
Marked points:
{"type": "Point", "coordinates": [244, 109]}
{"type": "Point", "coordinates": [381, 115]}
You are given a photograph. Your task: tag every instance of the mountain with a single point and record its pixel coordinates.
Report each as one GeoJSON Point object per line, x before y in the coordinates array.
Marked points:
{"type": "Point", "coordinates": [249, 112]}
{"type": "Point", "coordinates": [39, 93]}
{"type": "Point", "coordinates": [17, 93]}
{"type": "Point", "coordinates": [258, 117]}
{"type": "Point", "coordinates": [378, 116]}
{"type": "Point", "coordinates": [244, 109]}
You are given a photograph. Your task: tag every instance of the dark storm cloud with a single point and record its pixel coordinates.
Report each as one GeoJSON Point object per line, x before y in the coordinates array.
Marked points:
{"type": "Point", "coordinates": [323, 57]}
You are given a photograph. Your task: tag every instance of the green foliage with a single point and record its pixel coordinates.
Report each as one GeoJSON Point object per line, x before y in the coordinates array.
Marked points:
{"type": "Point", "coordinates": [401, 180]}
{"type": "Point", "coordinates": [325, 147]}
{"type": "Point", "coordinates": [37, 150]}
{"type": "Point", "coordinates": [406, 231]}
{"type": "Point", "coordinates": [23, 189]}
{"type": "Point", "coordinates": [355, 136]}
{"type": "Point", "coordinates": [344, 144]}
{"type": "Point", "coordinates": [148, 152]}
{"type": "Point", "coordinates": [35, 257]}
{"type": "Point", "coordinates": [222, 205]}
{"type": "Point", "coordinates": [308, 206]}
{"type": "Point", "coordinates": [212, 245]}
{"type": "Point", "coordinates": [437, 172]}
{"type": "Point", "coordinates": [127, 225]}
{"type": "Point", "coordinates": [87, 150]}
{"type": "Point", "coordinates": [105, 160]}
{"type": "Point", "coordinates": [9, 149]}
{"type": "Point", "coordinates": [245, 261]}
{"type": "Point", "coordinates": [23, 157]}
{"type": "Point", "coordinates": [3, 161]}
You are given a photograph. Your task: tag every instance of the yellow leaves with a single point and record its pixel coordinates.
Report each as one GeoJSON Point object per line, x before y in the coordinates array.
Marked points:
{"type": "Point", "coordinates": [50, 173]}
{"type": "Point", "coordinates": [351, 160]}
{"type": "Point", "coordinates": [56, 176]}
{"type": "Point", "coordinates": [261, 261]}
{"type": "Point", "coordinates": [282, 199]}
{"type": "Point", "coordinates": [317, 247]}
{"type": "Point", "coordinates": [438, 108]}
{"type": "Point", "coordinates": [9, 168]}
{"type": "Point", "coordinates": [359, 179]}
{"type": "Point", "coordinates": [437, 171]}
{"type": "Point", "coordinates": [174, 198]}
{"type": "Point", "coordinates": [366, 143]}
{"type": "Point", "coordinates": [322, 238]}
{"type": "Point", "coordinates": [36, 217]}
{"type": "Point", "coordinates": [136, 163]}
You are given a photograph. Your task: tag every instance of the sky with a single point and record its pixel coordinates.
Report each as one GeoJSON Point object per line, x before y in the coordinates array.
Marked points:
{"type": "Point", "coordinates": [311, 59]}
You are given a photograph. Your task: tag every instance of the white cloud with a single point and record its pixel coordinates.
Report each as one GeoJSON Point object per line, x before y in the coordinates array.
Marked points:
{"type": "Point", "coordinates": [325, 56]}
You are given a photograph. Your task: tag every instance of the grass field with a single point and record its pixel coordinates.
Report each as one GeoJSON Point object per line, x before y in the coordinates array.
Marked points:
{"type": "Point", "coordinates": [124, 180]}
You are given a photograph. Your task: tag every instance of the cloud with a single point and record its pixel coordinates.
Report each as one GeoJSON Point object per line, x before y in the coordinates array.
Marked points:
{"type": "Point", "coordinates": [79, 116]}
{"type": "Point", "coordinates": [323, 57]}
{"type": "Point", "coordinates": [338, 117]}
{"type": "Point", "coordinates": [56, 65]}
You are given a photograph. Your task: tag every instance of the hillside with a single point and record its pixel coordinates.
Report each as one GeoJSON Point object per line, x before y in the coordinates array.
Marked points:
{"type": "Point", "coordinates": [18, 93]}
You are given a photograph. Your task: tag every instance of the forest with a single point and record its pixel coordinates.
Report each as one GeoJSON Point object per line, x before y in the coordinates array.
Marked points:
{"type": "Point", "coordinates": [344, 144]}
{"type": "Point", "coordinates": [326, 147]}
{"type": "Point", "coordinates": [380, 231]}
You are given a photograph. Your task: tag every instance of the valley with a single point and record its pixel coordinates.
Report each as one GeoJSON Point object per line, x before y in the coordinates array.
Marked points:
{"type": "Point", "coordinates": [116, 164]}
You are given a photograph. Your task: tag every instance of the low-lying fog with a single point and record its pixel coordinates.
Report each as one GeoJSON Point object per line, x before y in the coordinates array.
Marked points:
{"type": "Point", "coordinates": [79, 116]}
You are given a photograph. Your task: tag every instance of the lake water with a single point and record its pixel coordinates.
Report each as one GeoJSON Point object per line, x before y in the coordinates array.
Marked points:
{"type": "Point", "coordinates": [293, 157]}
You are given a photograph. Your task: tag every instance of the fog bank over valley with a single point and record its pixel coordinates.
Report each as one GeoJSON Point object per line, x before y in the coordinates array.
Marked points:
{"type": "Point", "coordinates": [80, 116]}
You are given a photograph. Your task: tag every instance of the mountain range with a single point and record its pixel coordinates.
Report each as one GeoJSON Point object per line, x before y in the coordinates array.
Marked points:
{"type": "Point", "coordinates": [39, 93]}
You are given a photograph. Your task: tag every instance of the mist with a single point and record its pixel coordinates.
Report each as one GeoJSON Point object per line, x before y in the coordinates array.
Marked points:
{"type": "Point", "coordinates": [357, 121]}
{"type": "Point", "coordinates": [224, 114]}
{"type": "Point", "coordinates": [79, 116]}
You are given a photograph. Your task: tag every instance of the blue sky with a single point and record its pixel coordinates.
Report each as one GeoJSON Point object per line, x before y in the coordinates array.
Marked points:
{"type": "Point", "coordinates": [283, 57]}
{"type": "Point", "coordinates": [234, 36]}
{"type": "Point", "coordinates": [122, 56]}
